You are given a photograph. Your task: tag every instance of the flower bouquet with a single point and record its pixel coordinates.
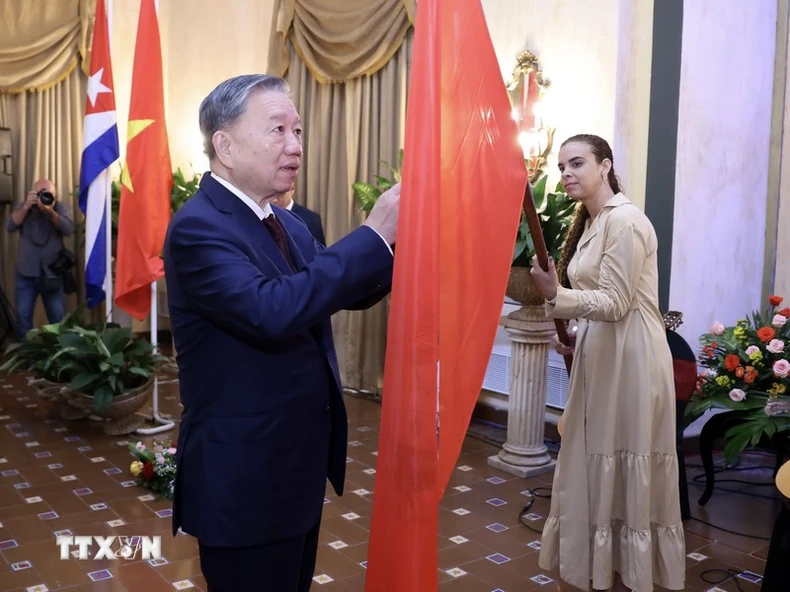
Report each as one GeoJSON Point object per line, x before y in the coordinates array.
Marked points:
{"type": "Point", "coordinates": [746, 370]}
{"type": "Point", "coordinates": [155, 467]}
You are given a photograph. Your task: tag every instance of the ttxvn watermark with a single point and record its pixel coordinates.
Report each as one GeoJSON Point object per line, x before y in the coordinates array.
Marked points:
{"type": "Point", "coordinates": [110, 547]}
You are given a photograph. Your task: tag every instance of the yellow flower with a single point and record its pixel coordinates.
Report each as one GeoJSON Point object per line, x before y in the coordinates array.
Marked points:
{"type": "Point", "coordinates": [756, 356]}
{"type": "Point", "coordinates": [136, 468]}
{"type": "Point", "coordinates": [723, 381]}
{"type": "Point", "coordinates": [777, 388]}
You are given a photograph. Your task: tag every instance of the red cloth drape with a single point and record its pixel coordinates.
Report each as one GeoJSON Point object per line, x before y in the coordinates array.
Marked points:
{"type": "Point", "coordinates": [464, 180]}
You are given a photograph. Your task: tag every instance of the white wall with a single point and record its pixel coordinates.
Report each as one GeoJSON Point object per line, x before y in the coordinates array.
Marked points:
{"type": "Point", "coordinates": [203, 43]}
{"type": "Point", "coordinates": [726, 92]}
{"type": "Point", "coordinates": [596, 53]}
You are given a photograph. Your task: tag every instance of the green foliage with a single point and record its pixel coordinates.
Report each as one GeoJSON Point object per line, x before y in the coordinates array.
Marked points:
{"type": "Point", "coordinates": [368, 193]}
{"type": "Point", "coordinates": [102, 361]}
{"type": "Point", "coordinates": [555, 210]}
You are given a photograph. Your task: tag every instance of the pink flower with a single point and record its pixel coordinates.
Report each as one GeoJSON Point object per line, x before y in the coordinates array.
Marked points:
{"type": "Point", "coordinates": [752, 349]}
{"type": "Point", "coordinates": [160, 459]}
{"type": "Point", "coordinates": [737, 395]}
{"type": "Point", "coordinates": [778, 321]}
{"type": "Point", "coordinates": [717, 328]}
{"type": "Point", "coordinates": [776, 346]}
{"type": "Point", "coordinates": [781, 368]}
{"type": "Point", "coordinates": [171, 450]}
{"type": "Point", "coordinates": [140, 446]}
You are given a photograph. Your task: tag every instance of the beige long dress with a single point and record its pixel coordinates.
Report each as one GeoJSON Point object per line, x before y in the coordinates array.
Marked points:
{"type": "Point", "coordinates": [615, 504]}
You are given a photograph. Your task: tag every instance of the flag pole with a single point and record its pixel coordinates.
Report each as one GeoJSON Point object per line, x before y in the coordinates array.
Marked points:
{"type": "Point", "coordinates": [108, 247]}
{"type": "Point", "coordinates": [108, 282]}
{"type": "Point", "coordinates": [164, 423]}
{"type": "Point", "coordinates": [542, 254]}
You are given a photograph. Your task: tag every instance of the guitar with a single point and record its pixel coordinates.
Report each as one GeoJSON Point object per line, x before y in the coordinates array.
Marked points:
{"type": "Point", "coordinates": [672, 320]}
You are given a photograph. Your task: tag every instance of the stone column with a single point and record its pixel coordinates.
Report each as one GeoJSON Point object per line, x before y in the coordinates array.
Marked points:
{"type": "Point", "coordinates": [524, 454]}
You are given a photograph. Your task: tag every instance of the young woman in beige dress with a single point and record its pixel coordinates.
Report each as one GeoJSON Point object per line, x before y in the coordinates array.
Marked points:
{"type": "Point", "coordinates": [615, 507]}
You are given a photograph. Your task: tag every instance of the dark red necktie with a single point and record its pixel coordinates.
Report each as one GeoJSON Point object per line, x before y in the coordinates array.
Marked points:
{"type": "Point", "coordinates": [278, 234]}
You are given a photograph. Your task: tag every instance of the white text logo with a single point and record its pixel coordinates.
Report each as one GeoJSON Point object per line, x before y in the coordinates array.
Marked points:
{"type": "Point", "coordinates": [111, 547]}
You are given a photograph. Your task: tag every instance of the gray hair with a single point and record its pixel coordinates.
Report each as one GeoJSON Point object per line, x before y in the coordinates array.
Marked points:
{"type": "Point", "coordinates": [228, 101]}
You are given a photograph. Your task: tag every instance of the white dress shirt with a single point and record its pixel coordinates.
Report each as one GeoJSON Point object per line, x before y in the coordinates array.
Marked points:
{"type": "Point", "coordinates": [266, 210]}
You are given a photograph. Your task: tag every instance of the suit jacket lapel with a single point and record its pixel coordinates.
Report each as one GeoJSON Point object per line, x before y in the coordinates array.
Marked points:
{"type": "Point", "coordinates": [252, 226]}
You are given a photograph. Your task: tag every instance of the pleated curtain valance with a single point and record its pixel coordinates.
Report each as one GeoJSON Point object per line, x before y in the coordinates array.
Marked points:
{"type": "Point", "coordinates": [42, 42]}
{"type": "Point", "coordinates": [339, 40]}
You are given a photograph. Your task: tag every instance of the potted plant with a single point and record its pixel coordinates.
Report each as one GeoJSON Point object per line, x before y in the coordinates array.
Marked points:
{"type": "Point", "coordinates": [37, 354]}
{"type": "Point", "coordinates": [367, 193]}
{"type": "Point", "coordinates": [746, 370]}
{"type": "Point", "coordinates": [556, 211]}
{"type": "Point", "coordinates": [111, 373]}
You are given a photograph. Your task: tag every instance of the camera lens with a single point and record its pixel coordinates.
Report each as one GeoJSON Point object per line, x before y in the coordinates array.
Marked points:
{"type": "Point", "coordinates": [45, 197]}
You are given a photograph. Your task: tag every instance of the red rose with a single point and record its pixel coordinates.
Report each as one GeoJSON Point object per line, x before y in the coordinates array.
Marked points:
{"type": "Point", "coordinates": [731, 362]}
{"type": "Point", "coordinates": [775, 300]}
{"type": "Point", "coordinates": [765, 334]}
{"type": "Point", "coordinates": [148, 469]}
{"type": "Point", "coordinates": [785, 312]}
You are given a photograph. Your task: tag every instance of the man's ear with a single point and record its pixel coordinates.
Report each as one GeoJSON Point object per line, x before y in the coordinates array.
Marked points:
{"type": "Point", "coordinates": [223, 143]}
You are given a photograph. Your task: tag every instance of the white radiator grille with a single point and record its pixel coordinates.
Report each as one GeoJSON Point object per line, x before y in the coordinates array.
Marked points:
{"type": "Point", "coordinates": [497, 378]}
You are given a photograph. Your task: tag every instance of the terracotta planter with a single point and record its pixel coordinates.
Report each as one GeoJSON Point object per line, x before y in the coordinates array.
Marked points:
{"type": "Point", "coordinates": [522, 288]}
{"type": "Point", "coordinates": [121, 414]}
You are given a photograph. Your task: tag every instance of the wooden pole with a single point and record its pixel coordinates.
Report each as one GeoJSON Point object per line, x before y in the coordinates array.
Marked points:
{"type": "Point", "coordinates": [542, 255]}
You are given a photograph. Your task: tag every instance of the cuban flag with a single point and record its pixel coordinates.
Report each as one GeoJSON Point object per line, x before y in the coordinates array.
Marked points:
{"type": "Point", "coordinates": [100, 150]}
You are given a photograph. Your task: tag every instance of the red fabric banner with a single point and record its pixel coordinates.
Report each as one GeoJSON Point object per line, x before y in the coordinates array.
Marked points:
{"type": "Point", "coordinates": [147, 178]}
{"type": "Point", "coordinates": [464, 180]}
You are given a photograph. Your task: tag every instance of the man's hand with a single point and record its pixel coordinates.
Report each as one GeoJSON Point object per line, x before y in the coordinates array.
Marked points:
{"type": "Point", "coordinates": [383, 217]}
{"type": "Point", "coordinates": [31, 201]}
{"type": "Point", "coordinates": [48, 211]}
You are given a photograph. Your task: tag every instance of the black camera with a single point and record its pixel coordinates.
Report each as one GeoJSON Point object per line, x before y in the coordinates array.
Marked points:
{"type": "Point", "coordinates": [45, 197]}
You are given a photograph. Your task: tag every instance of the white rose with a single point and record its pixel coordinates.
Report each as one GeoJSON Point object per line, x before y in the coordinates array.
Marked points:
{"type": "Point", "coordinates": [717, 328]}
{"type": "Point", "coordinates": [737, 395]}
{"type": "Point", "coordinates": [778, 321]}
{"type": "Point", "coordinates": [776, 346]}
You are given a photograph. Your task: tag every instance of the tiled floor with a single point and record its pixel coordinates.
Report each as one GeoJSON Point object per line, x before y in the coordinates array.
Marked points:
{"type": "Point", "coordinates": [67, 477]}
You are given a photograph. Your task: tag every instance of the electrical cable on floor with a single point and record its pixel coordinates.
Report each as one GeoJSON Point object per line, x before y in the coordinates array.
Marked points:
{"type": "Point", "coordinates": [729, 574]}
{"type": "Point", "coordinates": [533, 494]}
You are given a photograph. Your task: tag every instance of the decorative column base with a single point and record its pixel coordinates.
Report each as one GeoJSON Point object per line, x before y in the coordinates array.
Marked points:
{"type": "Point", "coordinates": [524, 454]}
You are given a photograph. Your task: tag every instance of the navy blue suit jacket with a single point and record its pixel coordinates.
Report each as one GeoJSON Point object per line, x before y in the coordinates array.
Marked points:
{"type": "Point", "coordinates": [264, 423]}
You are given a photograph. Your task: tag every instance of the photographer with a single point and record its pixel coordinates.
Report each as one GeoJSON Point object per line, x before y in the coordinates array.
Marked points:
{"type": "Point", "coordinates": [42, 222]}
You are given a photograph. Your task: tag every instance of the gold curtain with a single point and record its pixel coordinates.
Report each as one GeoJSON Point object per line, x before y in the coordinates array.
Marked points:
{"type": "Point", "coordinates": [42, 94]}
{"type": "Point", "coordinates": [338, 40]}
{"type": "Point", "coordinates": [42, 42]}
{"type": "Point", "coordinates": [350, 127]}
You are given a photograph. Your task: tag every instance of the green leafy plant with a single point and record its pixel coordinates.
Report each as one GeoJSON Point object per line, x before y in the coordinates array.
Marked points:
{"type": "Point", "coordinates": [556, 211]}
{"type": "Point", "coordinates": [746, 370]}
{"type": "Point", "coordinates": [183, 189]}
{"type": "Point", "coordinates": [368, 193]}
{"type": "Point", "coordinates": [103, 361]}
{"type": "Point", "coordinates": [36, 354]}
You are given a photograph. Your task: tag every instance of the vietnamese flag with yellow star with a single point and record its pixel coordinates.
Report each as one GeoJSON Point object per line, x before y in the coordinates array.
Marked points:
{"type": "Point", "coordinates": [147, 178]}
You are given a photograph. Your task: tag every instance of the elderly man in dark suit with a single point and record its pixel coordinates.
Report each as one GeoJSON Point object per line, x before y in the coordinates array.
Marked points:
{"type": "Point", "coordinates": [309, 217]}
{"type": "Point", "coordinates": [250, 294]}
